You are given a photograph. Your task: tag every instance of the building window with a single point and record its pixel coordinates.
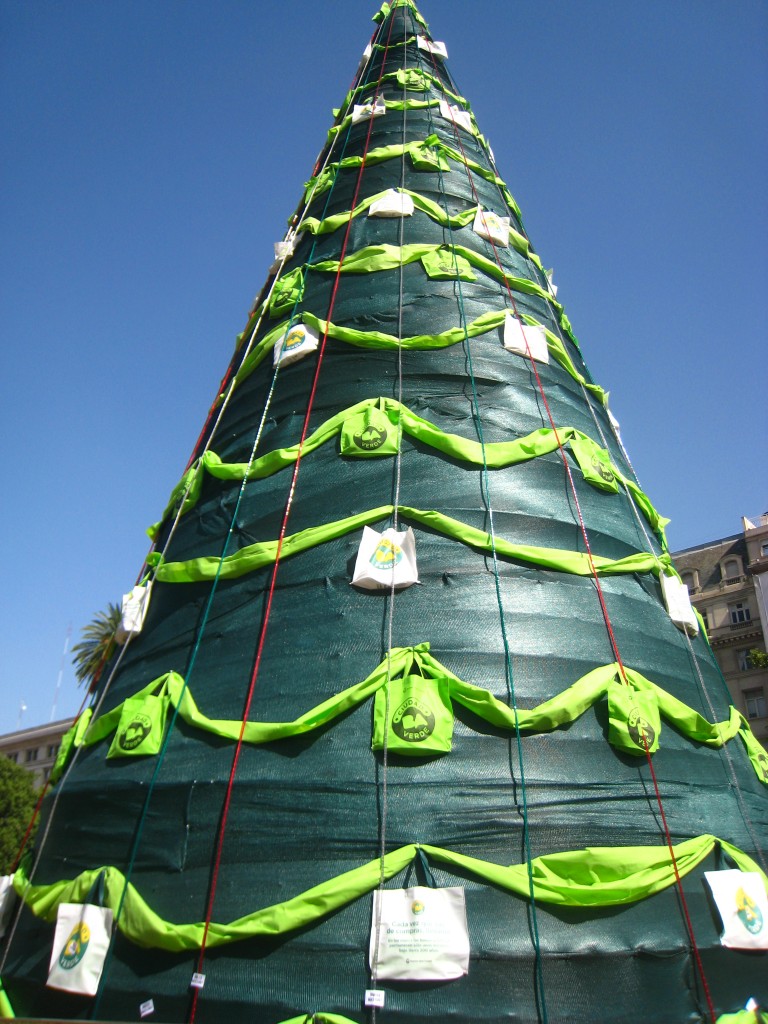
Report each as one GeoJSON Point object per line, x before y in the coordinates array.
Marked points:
{"type": "Point", "coordinates": [731, 570]}
{"type": "Point", "coordinates": [53, 749]}
{"type": "Point", "coordinates": [31, 755]}
{"type": "Point", "coordinates": [14, 757]}
{"type": "Point", "coordinates": [755, 702]}
{"type": "Point", "coordinates": [739, 612]}
{"type": "Point", "coordinates": [742, 658]}
{"type": "Point", "coordinates": [764, 548]}
{"type": "Point", "coordinates": [687, 578]}
{"type": "Point", "coordinates": [705, 618]}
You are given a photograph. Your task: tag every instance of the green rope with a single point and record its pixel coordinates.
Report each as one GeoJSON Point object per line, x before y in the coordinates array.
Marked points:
{"type": "Point", "coordinates": [505, 640]}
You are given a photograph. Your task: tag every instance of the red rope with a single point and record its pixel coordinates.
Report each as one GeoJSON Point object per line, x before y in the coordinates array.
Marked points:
{"type": "Point", "coordinates": [596, 579]}
{"type": "Point", "coordinates": [273, 579]}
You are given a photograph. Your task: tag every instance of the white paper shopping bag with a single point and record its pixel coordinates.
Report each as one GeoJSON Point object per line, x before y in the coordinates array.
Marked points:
{"type": "Point", "coordinates": [421, 934]}
{"type": "Point", "coordinates": [80, 945]}
{"type": "Point", "coordinates": [523, 339]}
{"type": "Point", "coordinates": [491, 226]}
{"type": "Point", "coordinates": [7, 901]}
{"type": "Point", "coordinates": [437, 49]}
{"type": "Point", "coordinates": [455, 114]}
{"type": "Point", "coordinates": [365, 111]}
{"type": "Point", "coordinates": [743, 905]}
{"type": "Point", "coordinates": [678, 602]}
{"type": "Point", "coordinates": [386, 559]}
{"type": "Point", "coordinates": [392, 204]}
{"type": "Point", "coordinates": [296, 343]}
{"type": "Point", "coordinates": [134, 608]}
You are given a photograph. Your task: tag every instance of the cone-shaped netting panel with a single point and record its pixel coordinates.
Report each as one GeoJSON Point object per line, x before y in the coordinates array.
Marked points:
{"type": "Point", "coordinates": [307, 808]}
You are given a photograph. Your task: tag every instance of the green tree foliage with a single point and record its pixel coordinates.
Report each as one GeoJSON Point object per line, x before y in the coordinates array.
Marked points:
{"type": "Point", "coordinates": [17, 802]}
{"type": "Point", "coordinates": [757, 658]}
{"type": "Point", "coordinates": [96, 646]}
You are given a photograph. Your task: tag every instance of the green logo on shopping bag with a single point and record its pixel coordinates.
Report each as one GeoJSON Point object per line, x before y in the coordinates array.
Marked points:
{"type": "Point", "coordinates": [75, 946]}
{"type": "Point", "coordinates": [604, 471]}
{"type": "Point", "coordinates": [748, 912]}
{"type": "Point", "coordinates": [640, 729]}
{"type": "Point", "coordinates": [417, 907]}
{"type": "Point", "coordinates": [413, 721]}
{"type": "Point", "coordinates": [370, 438]}
{"type": "Point", "coordinates": [387, 555]}
{"type": "Point", "coordinates": [136, 731]}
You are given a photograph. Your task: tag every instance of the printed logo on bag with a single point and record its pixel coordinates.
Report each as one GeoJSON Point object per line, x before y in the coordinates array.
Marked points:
{"type": "Point", "coordinates": [602, 470]}
{"type": "Point", "coordinates": [748, 912]}
{"type": "Point", "coordinates": [445, 262]}
{"type": "Point", "coordinates": [370, 438]}
{"type": "Point", "coordinates": [75, 946]}
{"type": "Point", "coordinates": [136, 731]}
{"type": "Point", "coordinates": [639, 728]}
{"type": "Point", "coordinates": [762, 761]}
{"type": "Point", "coordinates": [293, 339]}
{"type": "Point", "coordinates": [387, 555]}
{"type": "Point", "coordinates": [417, 907]}
{"type": "Point", "coordinates": [413, 721]}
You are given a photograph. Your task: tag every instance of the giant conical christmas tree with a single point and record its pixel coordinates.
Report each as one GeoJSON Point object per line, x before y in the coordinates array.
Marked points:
{"type": "Point", "coordinates": [537, 723]}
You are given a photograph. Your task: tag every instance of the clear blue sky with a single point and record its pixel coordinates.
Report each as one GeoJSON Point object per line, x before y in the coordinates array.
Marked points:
{"type": "Point", "coordinates": [152, 152]}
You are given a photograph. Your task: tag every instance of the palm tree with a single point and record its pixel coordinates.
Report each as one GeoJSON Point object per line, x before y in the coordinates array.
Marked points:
{"type": "Point", "coordinates": [96, 646]}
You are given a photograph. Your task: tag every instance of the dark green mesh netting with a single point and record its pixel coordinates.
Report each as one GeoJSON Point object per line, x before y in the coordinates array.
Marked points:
{"type": "Point", "coordinates": [306, 808]}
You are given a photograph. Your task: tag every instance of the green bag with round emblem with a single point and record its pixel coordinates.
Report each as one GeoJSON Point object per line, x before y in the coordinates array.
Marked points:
{"type": "Point", "coordinates": [420, 717]}
{"type": "Point", "coordinates": [633, 714]}
{"type": "Point", "coordinates": [595, 464]}
{"type": "Point", "coordinates": [369, 433]}
{"type": "Point", "coordinates": [141, 727]}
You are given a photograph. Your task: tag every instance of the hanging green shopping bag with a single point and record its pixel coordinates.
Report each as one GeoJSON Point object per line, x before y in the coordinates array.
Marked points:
{"type": "Point", "coordinates": [80, 944]}
{"type": "Point", "coordinates": [70, 741]}
{"type": "Point", "coordinates": [594, 463]}
{"type": "Point", "coordinates": [634, 719]}
{"type": "Point", "coordinates": [417, 719]}
{"type": "Point", "coordinates": [370, 432]}
{"type": "Point", "coordinates": [142, 725]}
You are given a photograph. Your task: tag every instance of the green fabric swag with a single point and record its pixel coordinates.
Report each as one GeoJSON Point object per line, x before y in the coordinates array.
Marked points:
{"type": "Point", "coordinates": [346, 122]}
{"type": "Point", "coordinates": [262, 553]}
{"type": "Point", "coordinates": [417, 692]}
{"type": "Point", "coordinates": [387, 8]}
{"type": "Point", "coordinates": [486, 322]}
{"type": "Point", "coordinates": [425, 205]}
{"type": "Point", "coordinates": [431, 152]}
{"type": "Point", "coordinates": [592, 877]}
{"type": "Point", "coordinates": [411, 79]}
{"type": "Point", "coordinates": [390, 413]}
{"type": "Point", "coordinates": [373, 258]}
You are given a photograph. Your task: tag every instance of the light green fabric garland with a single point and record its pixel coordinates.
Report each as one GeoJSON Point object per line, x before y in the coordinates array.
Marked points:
{"type": "Point", "coordinates": [563, 709]}
{"type": "Point", "coordinates": [486, 322]}
{"type": "Point", "coordinates": [593, 877]}
{"type": "Point", "coordinates": [495, 455]}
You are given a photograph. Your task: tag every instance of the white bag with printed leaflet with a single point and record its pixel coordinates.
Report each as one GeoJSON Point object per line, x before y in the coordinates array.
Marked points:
{"type": "Point", "coordinates": [392, 204]}
{"type": "Point", "coordinates": [455, 114]}
{"type": "Point", "coordinates": [296, 343]}
{"type": "Point", "coordinates": [491, 226]}
{"type": "Point", "coordinates": [134, 608]}
{"type": "Point", "coordinates": [678, 602]}
{"type": "Point", "coordinates": [422, 934]}
{"type": "Point", "coordinates": [7, 901]}
{"type": "Point", "coordinates": [743, 905]}
{"type": "Point", "coordinates": [365, 111]}
{"type": "Point", "coordinates": [80, 945]}
{"type": "Point", "coordinates": [386, 559]}
{"type": "Point", "coordinates": [437, 49]}
{"type": "Point", "coordinates": [524, 339]}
